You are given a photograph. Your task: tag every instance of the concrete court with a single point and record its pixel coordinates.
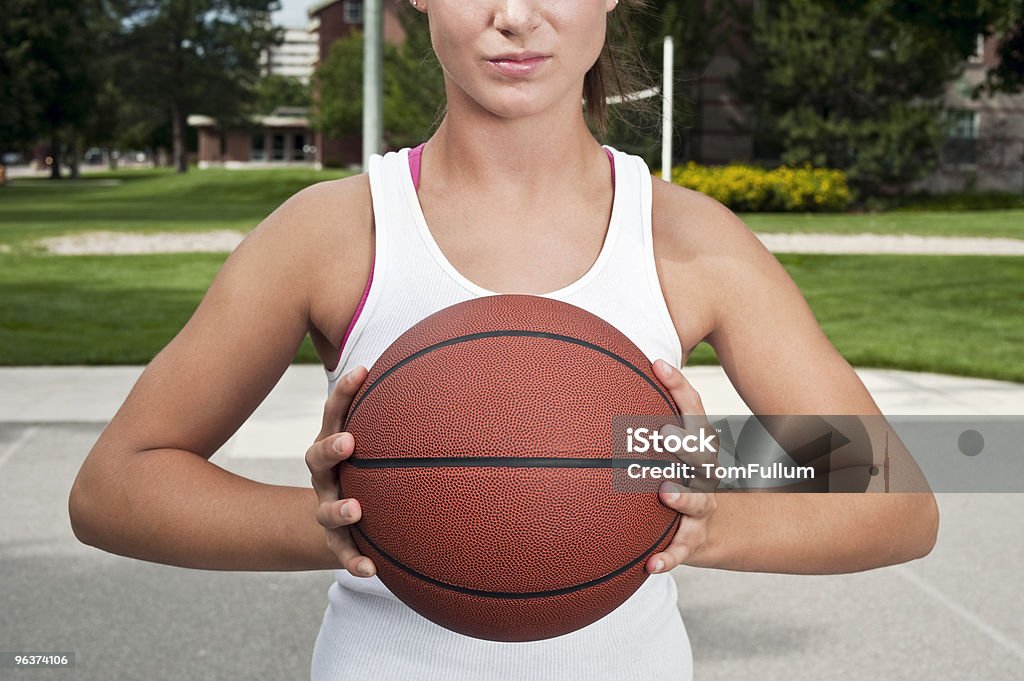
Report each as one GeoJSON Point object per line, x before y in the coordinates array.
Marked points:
{"type": "Point", "coordinates": [952, 615]}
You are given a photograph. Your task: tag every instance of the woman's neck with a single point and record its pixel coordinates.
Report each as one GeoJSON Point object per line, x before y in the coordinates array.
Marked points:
{"type": "Point", "coordinates": [535, 155]}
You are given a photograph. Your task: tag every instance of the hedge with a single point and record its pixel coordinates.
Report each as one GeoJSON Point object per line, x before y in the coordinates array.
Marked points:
{"type": "Point", "coordinates": [748, 188]}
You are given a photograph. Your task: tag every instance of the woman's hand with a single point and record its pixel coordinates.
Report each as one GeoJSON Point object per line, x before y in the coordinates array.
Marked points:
{"type": "Point", "coordinates": [696, 502]}
{"type": "Point", "coordinates": [322, 458]}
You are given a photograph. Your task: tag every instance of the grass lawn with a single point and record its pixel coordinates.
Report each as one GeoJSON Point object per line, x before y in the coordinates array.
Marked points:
{"type": "Point", "coordinates": [161, 200]}
{"type": "Point", "coordinates": [948, 314]}
{"type": "Point", "coordinates": [148, 201]}
{"type": "Point", "coordinates": [981, 223]}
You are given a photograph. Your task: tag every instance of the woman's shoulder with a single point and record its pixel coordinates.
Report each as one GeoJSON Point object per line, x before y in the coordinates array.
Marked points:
{"type": "Point", "coordinates": [334, 220]}
{"type": "Point", "coordinates": [689, 222]}
{"type": "Point", "coordinates": [323, 223]}
{"type": "Point", "coordinates": [707, 258]}
{"type": "Point", "coordinates": [339, 207]}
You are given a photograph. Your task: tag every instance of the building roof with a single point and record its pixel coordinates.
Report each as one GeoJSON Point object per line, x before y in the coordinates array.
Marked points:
{"type": "Point", "coordinates": [320, 7]}
{"type": "Point", "coordinates": [282, 117]}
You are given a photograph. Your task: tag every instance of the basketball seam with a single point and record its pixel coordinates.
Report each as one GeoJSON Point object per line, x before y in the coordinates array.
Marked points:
{"type": "Point", "coordinates": [516, 595]}
{"type": "Point", "coordinates": [501, 462]}
{"type": "Point", "coordinates": [515, 333]}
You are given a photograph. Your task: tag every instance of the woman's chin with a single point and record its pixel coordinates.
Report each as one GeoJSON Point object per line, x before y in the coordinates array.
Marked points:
{"type": "Point", "coordinates": [518, 107]}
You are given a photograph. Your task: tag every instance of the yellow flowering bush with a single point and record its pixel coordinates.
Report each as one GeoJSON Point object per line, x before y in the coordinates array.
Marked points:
{"type": "Point", "coordinates": [749, 188]}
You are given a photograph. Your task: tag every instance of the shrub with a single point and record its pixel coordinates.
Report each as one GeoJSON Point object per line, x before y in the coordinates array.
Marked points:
{"type": "Point", "coordinates": [748, 188]}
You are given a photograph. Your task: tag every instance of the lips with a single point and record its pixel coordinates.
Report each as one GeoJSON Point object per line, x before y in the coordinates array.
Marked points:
{"type": "Point", "coordinates": [518, 65]}
{"type": "Point", "coordinates": [517, 56]}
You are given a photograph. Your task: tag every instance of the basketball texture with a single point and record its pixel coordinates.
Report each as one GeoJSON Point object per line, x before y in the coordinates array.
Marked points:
{"type": "Point", "coordinates": [483, 464]}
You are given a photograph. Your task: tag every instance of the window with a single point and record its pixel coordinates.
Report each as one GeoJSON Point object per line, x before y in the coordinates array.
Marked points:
{"type": "Point", "coordinates": [258, 150]}
{"type": "Point", "coordinates": [963, 124]}
{"type": "Point", "coordinates": [979, 50]}
{"type": "Point", "coordinates": [962, 137]}
{"type": "Point", "coordinates": [277, 150]}
{"type": "Point", "coordinates": [298, 147]}
{"type": "Point", "coordinates": [352, 11]}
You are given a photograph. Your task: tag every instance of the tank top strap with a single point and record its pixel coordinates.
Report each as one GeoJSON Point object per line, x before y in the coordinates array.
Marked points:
{"type": "Point", "coordinates": [406, 283]}
{"type": "Point", "coordinates": [626, 291]}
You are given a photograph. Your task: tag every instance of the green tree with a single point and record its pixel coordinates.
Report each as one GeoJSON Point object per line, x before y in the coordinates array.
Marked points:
{"type": "Point", "coordinates": [1008, 75]}
{"type": "Point", "coordinates": [962, 21]}
{"type": "Point", "coordinates": [1006, 21]}
{"type": "Point", "coordinates": [274, 91]}
{"type": "Point", "coordinates": [192, 56]}
{"type": "Point", "coordinates": [413, 91]}
{"type": "Point", "coordinates": [698, 28]}
{"type": "Point", "coordinates": [851, 85]}
{"type": "Point", "coordinates": [49, 56]}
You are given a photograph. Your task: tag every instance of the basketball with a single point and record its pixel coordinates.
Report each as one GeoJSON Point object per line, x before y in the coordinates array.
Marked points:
{"type": "Point", "coordinates": [483, 463]}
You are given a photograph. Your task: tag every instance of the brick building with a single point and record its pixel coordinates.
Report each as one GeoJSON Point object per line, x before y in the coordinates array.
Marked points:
{"type": "Point", "coordinates": [281, 139]}
{"type": "Point", "coordinates": [285, 137]}
{"type": "Point", "coordinates": [984, 150]}
{"type": "Point", "coordinates": [333, 20]}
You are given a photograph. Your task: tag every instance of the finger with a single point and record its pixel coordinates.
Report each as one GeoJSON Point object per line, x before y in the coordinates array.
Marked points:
{"type": "Point", "coordinates": [699, 478]}
{"type": "Point", "coordinates": [340, 513]}
{"type": "Point", "coordinates": [321, 459]}
{"type": "Point", "coordinates": [690, 503]}
{"type": "Point", "coordinates": [690, 536]}
{"type": "Point", "coordinates": [700, 448]}
{"type": "Point", "coordinates": [338, 402]}
{"type": "Point", "coordinates": [361, 566]}
{"type": "Point", "coordinates": [703, 483]}
{"type": "Point", "coordinates": [341, 543]}
{"type": "Point", "coordinates": [684, 395]}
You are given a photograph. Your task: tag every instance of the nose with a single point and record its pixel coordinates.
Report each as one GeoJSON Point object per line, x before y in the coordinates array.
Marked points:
{"type": "Point", "coordinates": [516, 17]}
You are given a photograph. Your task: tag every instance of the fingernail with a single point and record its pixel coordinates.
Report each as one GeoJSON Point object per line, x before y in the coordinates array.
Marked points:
{"type": "Point", "coordinates": [364, 568]}
{"type": "Point", "coordinates": [338, 444]}
{"type": "Point", "coordinates": [344, 510]}
{"type": "Point", "coordinates": [659, 565]}
{"type": "Point", "coordinates": [671, 491]}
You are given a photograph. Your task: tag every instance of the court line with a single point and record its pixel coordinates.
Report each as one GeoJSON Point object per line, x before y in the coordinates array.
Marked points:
{"type": "Point", "coordinates": [9, 451]}
{"type": "Point", "coordinates": [978, 623]}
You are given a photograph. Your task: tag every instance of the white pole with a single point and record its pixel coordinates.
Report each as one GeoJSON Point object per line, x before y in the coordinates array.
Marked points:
{"type": "Point", "coordinates": [666, 113]}
{"type": "Point", "coordinates": [373, 89]}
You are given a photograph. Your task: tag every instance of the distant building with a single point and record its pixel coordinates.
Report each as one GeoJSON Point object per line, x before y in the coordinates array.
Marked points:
{"type": "Point", "coordinates": [985, 147]}
{"type": "Point", "coordinates": [285, 137]}
{"type": "Point", "coordinates": [281, 139]}
{"type": "Point", "coordinates": [984, 150]}
{"type": "Point", "coordinates": [333, 20]}
{"type": "Point", "coordinates": [295, 57]}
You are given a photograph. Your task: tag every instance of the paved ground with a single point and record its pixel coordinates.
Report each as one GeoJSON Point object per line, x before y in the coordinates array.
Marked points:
{"type": "Point", "coordinates": [124, 243]}
{"type": "Point", "coordinates": [953, 615]}
{"type": "Point", "coordinates": [900, 244]}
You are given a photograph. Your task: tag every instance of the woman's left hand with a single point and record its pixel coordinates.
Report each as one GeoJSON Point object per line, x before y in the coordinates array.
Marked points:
{"type": "Point", "coordinates": [695, 502]}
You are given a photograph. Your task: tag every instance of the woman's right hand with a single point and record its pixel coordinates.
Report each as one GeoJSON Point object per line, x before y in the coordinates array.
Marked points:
{"type": "Point", "coordinates": [332, 447]}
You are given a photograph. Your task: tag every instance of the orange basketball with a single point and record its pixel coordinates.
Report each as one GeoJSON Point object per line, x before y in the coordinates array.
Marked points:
{"type": "Point", "coordinates": [483, 464]}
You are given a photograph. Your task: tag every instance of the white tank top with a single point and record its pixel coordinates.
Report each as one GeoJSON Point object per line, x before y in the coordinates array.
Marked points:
{"type": "Point", "coordinates": [366, 631]}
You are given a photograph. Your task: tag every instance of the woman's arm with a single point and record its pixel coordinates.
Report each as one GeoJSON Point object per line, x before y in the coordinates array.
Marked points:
{"type": "Point", "coordinates": [147, 488]}
{"type": "Point", "coordinates": [781, 363]}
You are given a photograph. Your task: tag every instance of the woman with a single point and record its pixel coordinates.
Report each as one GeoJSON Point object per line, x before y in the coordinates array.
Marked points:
{"type": "Point", "coordinates": [511, 194]}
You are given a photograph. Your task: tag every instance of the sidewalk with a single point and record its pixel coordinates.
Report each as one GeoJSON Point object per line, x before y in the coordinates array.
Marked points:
{"type": "Point", "coordinates": [955, 614]}
{"type": "Point", "coordinates": [895, 244]}
{"type": "Point", "coordinates": [223, 241]}
{"type": "Point", "coordinates": [291, 413]}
